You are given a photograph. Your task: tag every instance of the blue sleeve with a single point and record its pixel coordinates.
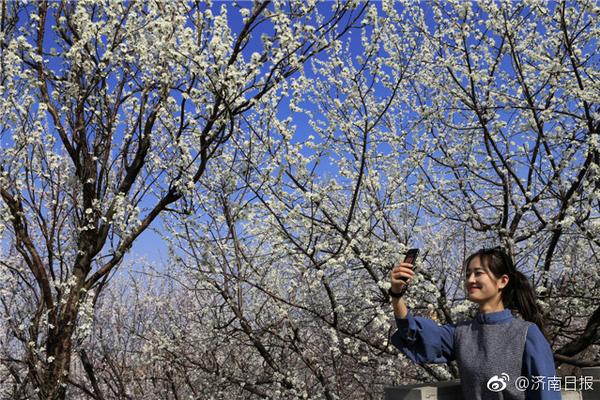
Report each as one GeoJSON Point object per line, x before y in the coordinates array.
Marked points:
{"type": "Point", "coordinates": [538, 361]}
{"type": "Point", "coordinates": [422, 340]}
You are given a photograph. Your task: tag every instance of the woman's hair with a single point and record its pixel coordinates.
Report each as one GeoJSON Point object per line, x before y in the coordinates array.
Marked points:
{"type": "Point", "coordinates": [518, 294]}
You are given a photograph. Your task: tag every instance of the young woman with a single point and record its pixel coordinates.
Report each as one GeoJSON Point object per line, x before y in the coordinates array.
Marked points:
{"type": "Point", "coordinates": [499, 356]}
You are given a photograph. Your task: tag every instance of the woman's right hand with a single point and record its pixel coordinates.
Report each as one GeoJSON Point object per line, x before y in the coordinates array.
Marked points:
{"type": "Point", "coordinates": [401, 270]}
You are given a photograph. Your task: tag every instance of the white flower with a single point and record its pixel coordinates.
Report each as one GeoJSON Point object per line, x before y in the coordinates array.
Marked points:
{"type": "Point", "coordinates": [245, 12]}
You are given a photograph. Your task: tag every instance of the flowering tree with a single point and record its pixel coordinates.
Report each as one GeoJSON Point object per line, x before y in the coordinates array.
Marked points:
{"type": "Point", "coordinates": [279, 286]}
{"type": "Point", "coordinates": [448, 126]}
{"type": "Point", "coordinates": [111, 113]}
{"type": "Point", "coordinates": [472, 127]}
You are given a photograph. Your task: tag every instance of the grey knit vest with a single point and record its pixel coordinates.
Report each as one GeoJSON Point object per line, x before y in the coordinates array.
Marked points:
{"type": "Point", "coordinates": [486, 350]}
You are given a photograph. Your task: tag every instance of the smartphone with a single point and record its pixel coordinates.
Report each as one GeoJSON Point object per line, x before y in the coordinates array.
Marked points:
{"type": "Point", "coordinates": [410, 257]}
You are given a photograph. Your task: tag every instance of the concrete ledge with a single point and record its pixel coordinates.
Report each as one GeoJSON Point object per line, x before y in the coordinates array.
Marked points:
{"type": "Point", "coordinates": [570, 395]}
{"type": "Point", "coordinates": [593, 394]}
{"type": "Point", "coordinates": [451, 390]}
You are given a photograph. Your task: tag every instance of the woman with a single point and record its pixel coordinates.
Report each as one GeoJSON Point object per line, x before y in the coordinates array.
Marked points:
{"type": "Point", "coordinates": [495, 349]}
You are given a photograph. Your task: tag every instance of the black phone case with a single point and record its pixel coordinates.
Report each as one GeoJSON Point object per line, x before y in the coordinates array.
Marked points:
{"type": "Point", "coordinates": [411, 256]}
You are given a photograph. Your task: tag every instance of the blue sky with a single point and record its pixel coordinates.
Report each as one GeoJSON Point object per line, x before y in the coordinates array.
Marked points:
{"type": "Point", "coordinates": [150, 244]}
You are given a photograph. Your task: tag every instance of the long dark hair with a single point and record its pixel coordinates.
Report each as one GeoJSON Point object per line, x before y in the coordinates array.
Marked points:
{"type": "Point", "coordinates": [518, 294]}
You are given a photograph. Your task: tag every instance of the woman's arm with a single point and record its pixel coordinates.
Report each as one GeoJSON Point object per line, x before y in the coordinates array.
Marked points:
{"type": "Point", "coordinates": [538, 361]}
{"type": "Point", "coordinates": [400, 309]}
{"type": "Point", "coordinates": [421, 339]}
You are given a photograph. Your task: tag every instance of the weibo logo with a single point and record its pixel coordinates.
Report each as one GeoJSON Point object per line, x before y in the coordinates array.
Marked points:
{"type": "Point", "coordinates": [498, 384]}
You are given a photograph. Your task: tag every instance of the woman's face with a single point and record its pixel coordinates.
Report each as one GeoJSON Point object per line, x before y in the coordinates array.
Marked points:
{"type": "Point", "coordinates": [481, 285]}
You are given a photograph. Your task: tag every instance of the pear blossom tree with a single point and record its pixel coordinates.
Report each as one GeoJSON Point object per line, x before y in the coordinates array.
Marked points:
{"type": "Point", "coordinates": [111, 115]}
{"type": "Point", "coordinates": [431, 140]}
{"type": "Point", "coordinates": [285, 273]}
{"type": "Point", "coordinates": [444, 125]}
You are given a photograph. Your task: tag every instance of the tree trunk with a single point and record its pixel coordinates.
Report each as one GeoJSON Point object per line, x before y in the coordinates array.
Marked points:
{"type": "Point", "coordinates": [59, 349]}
